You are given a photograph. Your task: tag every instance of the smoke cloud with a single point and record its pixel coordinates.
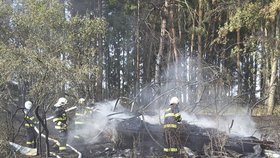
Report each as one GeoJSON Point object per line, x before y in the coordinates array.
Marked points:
{"type": "Point", "coordinates": [241, 125]}
{"type": "Point", "coordinates": [213, 107]}
{"type": "Point", "coordinates": [215, 99]}
{"type": "Point", "coordinates": [100, 125]}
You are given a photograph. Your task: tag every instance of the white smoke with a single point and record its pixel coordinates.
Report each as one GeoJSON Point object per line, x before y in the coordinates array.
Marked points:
{"type": "Point", "coordinates": [155, 119]}
{"type": "Point", "coordinates": [100, 125]}
{"type": "Point", "coordinates": [233, 125]}
{"type": "Point", "coordinates": [104, 120]}
{"type": "Point", "coordinates": [237, 122]}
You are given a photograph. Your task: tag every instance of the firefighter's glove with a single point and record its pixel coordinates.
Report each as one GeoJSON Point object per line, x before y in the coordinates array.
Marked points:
{"type": "Point", "coordinates": [64, 125]}
{"type": "Point", "coordinates": [179, 119]}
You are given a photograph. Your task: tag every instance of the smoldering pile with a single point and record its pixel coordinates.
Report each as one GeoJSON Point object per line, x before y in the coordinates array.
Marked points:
{"type": "Point", "coordinates": [126, 134]}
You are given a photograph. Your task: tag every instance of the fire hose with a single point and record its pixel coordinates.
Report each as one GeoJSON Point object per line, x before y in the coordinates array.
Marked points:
{"type": "Point", "coordinates": [28, 151]}
{"type": "Point", "coordinates": [33, 152]}
{"type": "Point", "coordinates": [67, 110]}
{"type": "Point", "coordinates": [57, 142]}
{"type": "Point", "coordinates": [150, 134]}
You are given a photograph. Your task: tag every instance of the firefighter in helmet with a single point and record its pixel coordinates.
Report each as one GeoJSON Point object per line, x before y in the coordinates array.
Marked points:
{"type": "Point", "coordinates": [60, 120]}
{"type": "Point", "coordinates": [29, 123]}
{"type": "Point", "coordinates": [171, 119]}
{"type": "Point", "coordinates": [83, 112]}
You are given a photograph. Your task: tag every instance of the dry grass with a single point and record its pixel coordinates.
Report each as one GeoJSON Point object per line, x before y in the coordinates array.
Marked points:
{"type": "Point", "coordinates": [261, 110]}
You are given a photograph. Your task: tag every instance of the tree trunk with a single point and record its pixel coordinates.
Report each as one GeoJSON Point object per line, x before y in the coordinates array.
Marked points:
{"type": "Point", "coordinates": [238, 62]}
{"type": "Point", "coordinates": [238, 59]}
{"type": "Point", "coordinates": [173, 38]}
{"type": "Point", "coordinates": [99, 76]}
{"type": "Point", "coordinates": [192, 37]}
{"type": "Point", "coordinates": [272, 85]}
{"type": "Point", "coordinates": [161, 43]}
{"type": "Point", "coordinates": [137, 80]}
{"type": "Point", "coordinates": [253, 78]}
{"type": "Point", "coordinates": [200, 53]}
{"type": "Point", "coordinates": [273, 70]}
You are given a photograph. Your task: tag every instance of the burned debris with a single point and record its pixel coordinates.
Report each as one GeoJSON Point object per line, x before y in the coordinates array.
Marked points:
{"type": "Point", "coordinates": [134, 136]}
{"type": "Point", "coordinates": [123, 132]}
{"type": "Point", "coordinates": [201, 141]}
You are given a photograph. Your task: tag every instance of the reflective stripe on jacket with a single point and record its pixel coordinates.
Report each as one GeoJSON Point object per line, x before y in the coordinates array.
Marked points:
{"type": "Point", "coordinates": [170, 126]}
{"type": "Point", "coordinates": [170, 150]}
{"type": "Point", "coordinates": [30, 142]}
{"type": "Point", "coordinates": [171, 117]}
{"type": "Point", "coordinates": [29, 119]}
{"type": "Point", "coordinates": [60, 119]}
{"type": "Point", "coordinates": [61, 127]}
{"type": "Point", "coordinates": [63, 118]}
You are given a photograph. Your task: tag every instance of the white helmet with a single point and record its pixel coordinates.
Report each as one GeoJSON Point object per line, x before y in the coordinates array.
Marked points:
{"type": "Point", "coordinates": [174, 100]}
{"type": "Point", "coordinates": [61, 101]}
{"type": "Point", "coordinates": [28, 105]}
{"type": "Point", "coordinates": [81, 100]}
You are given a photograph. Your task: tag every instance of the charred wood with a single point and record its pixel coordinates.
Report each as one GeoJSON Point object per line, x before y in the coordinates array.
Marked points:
{"type": "Point", "coordinates": [195, 138]}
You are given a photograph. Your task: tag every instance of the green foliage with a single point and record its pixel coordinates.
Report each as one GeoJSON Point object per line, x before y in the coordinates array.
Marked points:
{"type": "Point", "coordinates": [245, 17]}
{"type": "Point", "coordinates": [49, 51]}
{"type": "Point", "coordinates": [125, 6]}
{"type": "Point", "coordinates": [199, 30]}
{"type": "Point", "coordinates": [112, 2]}
{"type": "Point", "coordinates": [5, 13]}
{"type": "Point", "coordinates": [235, 50]}
{"type": "Point", "coordinates": [130, 7]}
{"type": "Point", "coordinates": [272, 10]}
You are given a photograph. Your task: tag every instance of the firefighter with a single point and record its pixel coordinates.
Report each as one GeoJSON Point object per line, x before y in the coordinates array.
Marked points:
{"type": "Point", "coordinates": [82, 113]}
{"type": "Point", "coordinates": [171, 119]}
{"type": "Point", "coordinates": [29, 123]}
{"type": "Point", "coordinates": [60, 120]}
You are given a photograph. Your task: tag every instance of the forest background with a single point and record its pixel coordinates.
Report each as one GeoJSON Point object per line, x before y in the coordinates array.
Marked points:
{"type": "Point", "coordinates": [213, 54]}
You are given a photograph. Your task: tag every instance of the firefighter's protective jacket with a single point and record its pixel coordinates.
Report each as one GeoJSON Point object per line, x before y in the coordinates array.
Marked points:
{"type": "Point", "coordinates": [60, 119]}
{"type": "Point", "coordinates": [82, 114]}
{"type": "Point", "coordinates": [172, 117]}
{"type": "Point", "coordinates": [29, 119]}
{"type": "Point", "coordinates": [29, 123]}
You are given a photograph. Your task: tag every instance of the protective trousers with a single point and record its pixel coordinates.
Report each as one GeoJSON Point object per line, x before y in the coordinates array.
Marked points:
{"type": "Point", "coordinates": [31, 137]}
{"type": "Point", "coordinates": [62, 140]}
{"type": "Point", "coordinates": [172, 142]}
